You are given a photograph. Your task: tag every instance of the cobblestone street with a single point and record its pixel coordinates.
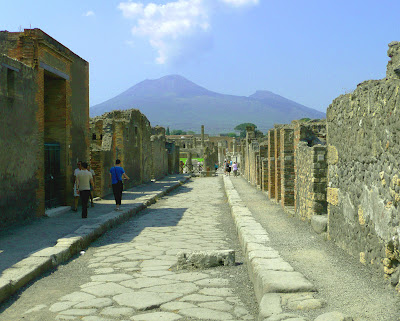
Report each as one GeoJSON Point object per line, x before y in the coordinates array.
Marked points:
{"type": "Point", "coordinates": [129, 273]}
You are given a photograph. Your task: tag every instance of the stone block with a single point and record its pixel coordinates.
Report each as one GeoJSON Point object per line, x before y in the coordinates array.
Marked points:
{"type": "Point", "coordinates": [284, 282]}
{"type": "Point", "coordinates": [58, 254]}
{"type": "Point", "coordinates": [332, 155]}
{"type": "Point", "coordinates": [270, 304]}
{"type": "Point", "coordinates": [319, 223]}
{"type": "Point", "coordinates": [205, 259]}
{"type": "Point", "coordinates": [332, 196]}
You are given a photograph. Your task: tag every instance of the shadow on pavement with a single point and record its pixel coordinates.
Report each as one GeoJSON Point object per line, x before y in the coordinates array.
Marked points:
{"type": "Point", "coordinates": [18, 242]}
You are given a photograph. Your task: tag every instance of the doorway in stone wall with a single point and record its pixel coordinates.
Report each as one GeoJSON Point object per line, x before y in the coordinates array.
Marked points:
{"type": "Point", "coordinates": [52, 174]}
{"type": "Point", "coordinates": [55, 139]}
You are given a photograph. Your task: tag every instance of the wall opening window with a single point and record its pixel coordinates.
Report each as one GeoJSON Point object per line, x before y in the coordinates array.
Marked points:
{"type": "Point", "coordinates": [94, 136]}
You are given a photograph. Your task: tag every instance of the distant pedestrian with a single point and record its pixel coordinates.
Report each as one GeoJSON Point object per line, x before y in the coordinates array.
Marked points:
{"type": "Point", "coordinates": [216, 166]}
{"type": "Point", "coordinates": [116, 175]}
{"type": "Point", "coordinates": [83, 180]}
{"type": "Point", "coordinates": [235, 169]}
{"type": "Point", "coordinates": [91, 186]}
{"type": "Point", "coordinates": [76, 191]}
{"type": "Point", "coordinates": [228, 168]}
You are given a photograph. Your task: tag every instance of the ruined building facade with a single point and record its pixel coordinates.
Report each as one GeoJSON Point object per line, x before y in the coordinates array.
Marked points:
{"type": "Point", "coordinates": [127, 135]}
{"type": "Point", "coordinates": [342, 175]}
{"type": "Point", "coordinates": [44, 115]}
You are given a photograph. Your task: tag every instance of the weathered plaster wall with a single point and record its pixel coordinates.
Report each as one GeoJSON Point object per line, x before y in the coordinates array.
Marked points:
{"type": "Point", "coordinates": [58, 93]}
{"type": "Point", "coordinates": [364, 159]}
{"type": "Point", "coordinates": [19, 135]}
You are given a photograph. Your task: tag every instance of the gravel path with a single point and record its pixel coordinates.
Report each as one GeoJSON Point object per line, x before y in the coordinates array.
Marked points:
{"type": "Point", "coordinates": [130, 273]}
{"type": "Point", "coordinates": [344, 283]}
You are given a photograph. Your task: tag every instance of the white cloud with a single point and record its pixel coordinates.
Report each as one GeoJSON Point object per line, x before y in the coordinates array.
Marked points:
{"type": "Point", "coordinates": [240, 3]}
{"type": "Point", "coordinates": [89, 13]}
{"type": "Point", "coordinates": [169, 25]}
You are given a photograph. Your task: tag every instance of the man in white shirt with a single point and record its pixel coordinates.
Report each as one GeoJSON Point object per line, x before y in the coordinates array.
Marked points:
{"type": "Point", "coordinates": [76, 194]}
{"type": "Point", "coordinates": [91, 186]}
{"type": "Point", "coordinates": [83, 180]}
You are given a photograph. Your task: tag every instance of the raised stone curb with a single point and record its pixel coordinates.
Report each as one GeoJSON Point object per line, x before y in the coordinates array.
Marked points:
{"type": "Point", "coordinates": [41, 261]}
{"type": "Point", "coordinates": [269, 273]}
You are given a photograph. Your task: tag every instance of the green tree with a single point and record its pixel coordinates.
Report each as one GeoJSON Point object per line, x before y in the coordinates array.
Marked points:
{"type": "Point", "coordinates": [191, 132]}
{"type": "Point", "coordinates": [178, 132]}
{"type": "Point", "coordinates": [167, 132]}
{"type": "Point", "coordinates": [242, 128]}
{"type": "Point", "coordinates": [231, 135]}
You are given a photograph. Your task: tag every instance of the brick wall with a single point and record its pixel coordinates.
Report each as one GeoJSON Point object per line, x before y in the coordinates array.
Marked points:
{"type": "Point", "coordinates": [287, 166]}
{"type": "Point", "coordinates": [59, 95]}
{"type": "Point", "coordinates": [264, 176]}
{"type": "Point", "coordinates": [311, 180]}
{"type": "Point", "coordinates": [271, 163]}
{"type": "Point", "coordinates": [277, 145]}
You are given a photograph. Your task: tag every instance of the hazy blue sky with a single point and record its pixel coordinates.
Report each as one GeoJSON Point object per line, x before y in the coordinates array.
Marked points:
{"type": "Point", "coordinates": [307, 51]}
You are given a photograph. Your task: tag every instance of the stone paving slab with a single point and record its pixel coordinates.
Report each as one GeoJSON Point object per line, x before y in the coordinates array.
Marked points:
{"type": "Point", "coordinates": [157, 289]}
{"type": "Point", "coordinates": [25, 266]}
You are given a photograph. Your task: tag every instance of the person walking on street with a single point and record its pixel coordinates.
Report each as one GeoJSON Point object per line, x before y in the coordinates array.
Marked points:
{"type": "Point", "coordinates": [91, 186]}
{"type": "Point", "coordinates": [234, 168]}
{"type": "Point", "coordinates": [76, 191]}
{"type": "Point", "coordinates": [83, 180]}
{"type": "Point", "coordinates": [228, 168]}
{"type": "Point", "coordinates": [116, 175]}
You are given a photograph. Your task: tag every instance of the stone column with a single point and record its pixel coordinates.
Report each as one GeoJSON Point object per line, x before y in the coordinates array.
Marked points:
{"type": "Point", "coordinates": [287, 167]}
{"type": "Point", "coordinates": [234, 146]}
{"type": "Point", "coordinates": [202, 135]}
{"type": "Point", "coordinates": [271, 163]}
{"type": "Point", "coordinates": [189, 164]}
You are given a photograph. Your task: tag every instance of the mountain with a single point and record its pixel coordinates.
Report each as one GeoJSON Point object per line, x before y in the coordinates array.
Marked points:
{"type": "Point", "coordinates": [179, 103]}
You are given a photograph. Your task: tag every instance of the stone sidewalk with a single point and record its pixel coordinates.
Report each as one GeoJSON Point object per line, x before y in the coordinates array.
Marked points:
{"type": "Point", "coordinates": [30, 250]}
{"type": "Point", "coordinates": [282, 293]}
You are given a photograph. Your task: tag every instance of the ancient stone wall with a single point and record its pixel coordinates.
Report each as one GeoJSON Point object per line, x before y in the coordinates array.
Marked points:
{"type": "Point", "coordinates": [124, 135]}
{"type": "Point", "coordinates": [287, 166]}
{"type": "Point", "coordinates": [263, 154]}
{"type": "Point", "coordinates": [311, 181]}
{"type": "Point", "coordinates": [19, 131]}
{"type": "Point", "coordinates": [254, 151]}
{"type": "Point", "coordinates": [59, 95]}
{"type": "Point", "coordinates": [310, 168]}
{"type": "Point", "coordinates": [264, 175]}
{"type": "Point", "coordinates": [364, 161]}
{"type": "Point", "coordinates": [173, 158]}
{"type": "Point", "coordinates": [277, 156]}
{"type": "Point", "coordinates": [271, 163]}
{"type": "Point", "coordinates": [159, 153]}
